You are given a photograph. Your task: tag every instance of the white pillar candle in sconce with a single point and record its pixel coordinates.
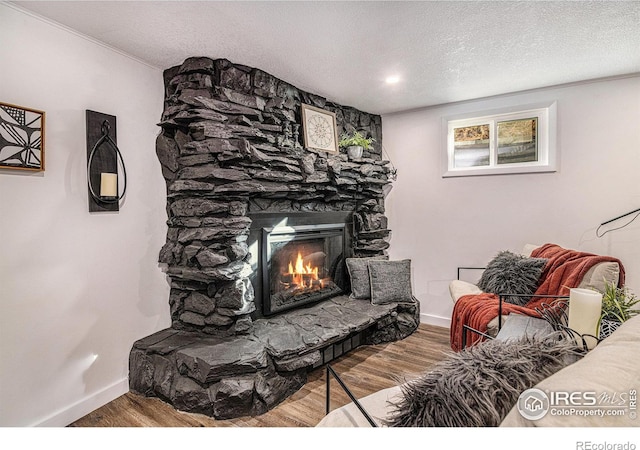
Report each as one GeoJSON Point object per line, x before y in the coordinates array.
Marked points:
{"type": "Point", "coordinates": [585, 307]}
{"type": "Point", "coordinates": [108, 185]}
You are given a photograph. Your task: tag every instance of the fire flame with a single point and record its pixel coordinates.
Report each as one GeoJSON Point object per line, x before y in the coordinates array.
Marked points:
{"type": "Point", "coordinates": [300, 270]}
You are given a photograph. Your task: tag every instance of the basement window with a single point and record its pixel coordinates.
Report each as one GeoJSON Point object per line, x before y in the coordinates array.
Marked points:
{"type": "Point", "coordinates": [514, 140]}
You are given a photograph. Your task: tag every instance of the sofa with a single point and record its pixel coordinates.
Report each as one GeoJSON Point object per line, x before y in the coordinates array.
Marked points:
{"type": "Point", "coordinates": [607, 374]}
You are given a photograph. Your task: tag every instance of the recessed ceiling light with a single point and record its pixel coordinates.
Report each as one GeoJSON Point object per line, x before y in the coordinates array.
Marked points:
{"type": "Point", "coordinates": [393, 79]}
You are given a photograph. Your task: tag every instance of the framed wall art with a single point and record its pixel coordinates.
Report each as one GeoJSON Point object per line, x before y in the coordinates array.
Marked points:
{"type": "Point", "coordinates": [319, 129]}
{"type": "Point", "coordinates": [21, 138]}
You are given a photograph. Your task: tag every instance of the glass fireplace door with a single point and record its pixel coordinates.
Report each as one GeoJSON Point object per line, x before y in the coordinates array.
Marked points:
{"type": "Point", "coordinates": [301, 265]}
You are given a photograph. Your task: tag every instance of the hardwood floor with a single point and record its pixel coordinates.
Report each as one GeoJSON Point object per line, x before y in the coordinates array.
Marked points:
{"type": "Point", "coordinates": [365, 370]}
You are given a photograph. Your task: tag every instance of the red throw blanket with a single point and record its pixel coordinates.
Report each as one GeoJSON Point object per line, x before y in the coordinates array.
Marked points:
{"type": "Point", "coordinates": [564, 270]}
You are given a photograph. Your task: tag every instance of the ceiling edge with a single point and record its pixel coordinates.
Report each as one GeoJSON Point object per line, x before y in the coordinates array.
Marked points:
{"type": "Point", "coordinates": [508, 94]}
{"type": "Point", "coordinates": [78, 34]}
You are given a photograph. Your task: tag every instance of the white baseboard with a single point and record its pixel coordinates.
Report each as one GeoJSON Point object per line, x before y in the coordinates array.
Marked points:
{"type": "Point", "coordinates": [80, 409]}
{"type": "Point", "coordinates": [437, 321]}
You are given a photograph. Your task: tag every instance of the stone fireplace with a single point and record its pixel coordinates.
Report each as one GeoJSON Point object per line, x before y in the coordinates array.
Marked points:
{"type": "Point", "coordinates": [259, 228]}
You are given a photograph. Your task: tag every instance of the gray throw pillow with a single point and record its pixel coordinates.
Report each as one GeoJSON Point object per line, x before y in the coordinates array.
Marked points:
{"type": "Point", "coordinates": [390, 281]}
{"type": "Point", "coordinates": [359, 275]}
{"type": "Point", "coordinates": [510, 273]}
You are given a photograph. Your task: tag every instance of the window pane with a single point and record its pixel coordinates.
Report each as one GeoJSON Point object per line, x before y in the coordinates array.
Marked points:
{"type": "Point", "coordinates": [517, 141]}
{"type": "Point", "coordinates": [471, 146]}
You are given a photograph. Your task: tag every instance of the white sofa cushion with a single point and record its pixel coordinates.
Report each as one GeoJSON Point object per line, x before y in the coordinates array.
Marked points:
{"type": "Point", "coordinates": [376, 404]}
{"type": "Point", "coordinates": [612, 367]}
{"type": "Point", "coordinates": [459, 288]}
{"type": "Point", "coordinates": [599, 275]}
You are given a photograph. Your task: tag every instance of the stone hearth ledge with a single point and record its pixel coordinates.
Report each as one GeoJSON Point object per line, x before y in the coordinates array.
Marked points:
{"type": "Point", "coordinates": [227, 377]}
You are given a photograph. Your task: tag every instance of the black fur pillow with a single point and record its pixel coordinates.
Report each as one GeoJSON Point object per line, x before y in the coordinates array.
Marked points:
{"type": "Point", "coordinates": [478, 386]}
{"type": "Point", "coordinates": [509, 273]}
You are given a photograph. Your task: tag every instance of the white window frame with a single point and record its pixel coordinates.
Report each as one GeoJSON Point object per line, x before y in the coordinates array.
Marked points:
{"type": "Point", "coordinates": [546, 140]}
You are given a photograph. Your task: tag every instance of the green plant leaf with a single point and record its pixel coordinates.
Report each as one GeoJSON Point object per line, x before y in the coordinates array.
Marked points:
{"type": "Point", "coordinates": [618, 303]}
{"type": "Point", "coordinates": [347, 140]}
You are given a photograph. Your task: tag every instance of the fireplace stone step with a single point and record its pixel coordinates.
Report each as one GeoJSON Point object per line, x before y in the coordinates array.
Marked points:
{"type": "Point", "coordinates": [305, 330]}
{"type": "Point", "coordinates": [207, 360]}
{"type": "Point", "coordinates": [249, 374]}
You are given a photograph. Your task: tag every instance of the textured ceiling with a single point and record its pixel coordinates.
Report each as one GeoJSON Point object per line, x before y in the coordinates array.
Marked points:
{"type": "Point", "coordinates": [442, 51]}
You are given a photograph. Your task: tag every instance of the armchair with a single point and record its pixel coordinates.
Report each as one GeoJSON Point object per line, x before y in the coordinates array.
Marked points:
{"type": "Point", "coordinates": [485, 312]}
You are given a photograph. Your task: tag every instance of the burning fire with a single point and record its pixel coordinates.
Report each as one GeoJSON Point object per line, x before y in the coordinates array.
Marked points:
{"type": "Point", "coordinates": [303, 276]}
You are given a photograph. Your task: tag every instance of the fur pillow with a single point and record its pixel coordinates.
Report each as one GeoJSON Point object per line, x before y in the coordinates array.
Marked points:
{"type": "Point", "coordinates": [509, 273]}
{"type": "Point", "coordinates": [478, 386]}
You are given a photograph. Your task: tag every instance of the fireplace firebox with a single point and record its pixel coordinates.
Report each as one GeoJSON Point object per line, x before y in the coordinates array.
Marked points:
{"type": "Point", "coordinates": [298, 259]}
{"type": "Point", "coordinates": [301, 265]}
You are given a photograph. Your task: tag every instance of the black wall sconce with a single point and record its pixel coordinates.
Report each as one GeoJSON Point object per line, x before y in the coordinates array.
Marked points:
{"type": "Point", "coordinates": [102, 163]}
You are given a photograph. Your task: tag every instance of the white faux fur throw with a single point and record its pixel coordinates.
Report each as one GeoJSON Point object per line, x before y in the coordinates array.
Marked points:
{"type": "Point", "coordinates": [478, 386]}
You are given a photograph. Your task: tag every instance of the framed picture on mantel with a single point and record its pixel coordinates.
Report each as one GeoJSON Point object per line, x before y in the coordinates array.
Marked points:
{"type": "Point", "coordinates": [21, 138]}
{"type": "Point", "coordinates": [319, 129]}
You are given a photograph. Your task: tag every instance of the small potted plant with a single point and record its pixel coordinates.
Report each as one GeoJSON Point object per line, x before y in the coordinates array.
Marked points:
{"type": "Point", "coordinates": [618, 305]}
{"type": "Point", "coordinates": [355, 143]}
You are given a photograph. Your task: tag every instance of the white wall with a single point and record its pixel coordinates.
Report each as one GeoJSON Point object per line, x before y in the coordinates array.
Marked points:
{"type": "Point", "coordinates": [443, 223]}
{"type": "Point", "coordinates": [76, 288]}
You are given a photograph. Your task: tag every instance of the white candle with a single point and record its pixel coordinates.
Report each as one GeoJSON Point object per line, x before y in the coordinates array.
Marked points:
{"type": "Point", "coordinates": [585, 307]}
{"type": "Point", "coordinates": [108, 185]}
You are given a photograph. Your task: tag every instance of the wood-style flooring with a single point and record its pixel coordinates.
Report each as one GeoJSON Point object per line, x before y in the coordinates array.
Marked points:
{"type": "Point", "coordinates": [365, 370]}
